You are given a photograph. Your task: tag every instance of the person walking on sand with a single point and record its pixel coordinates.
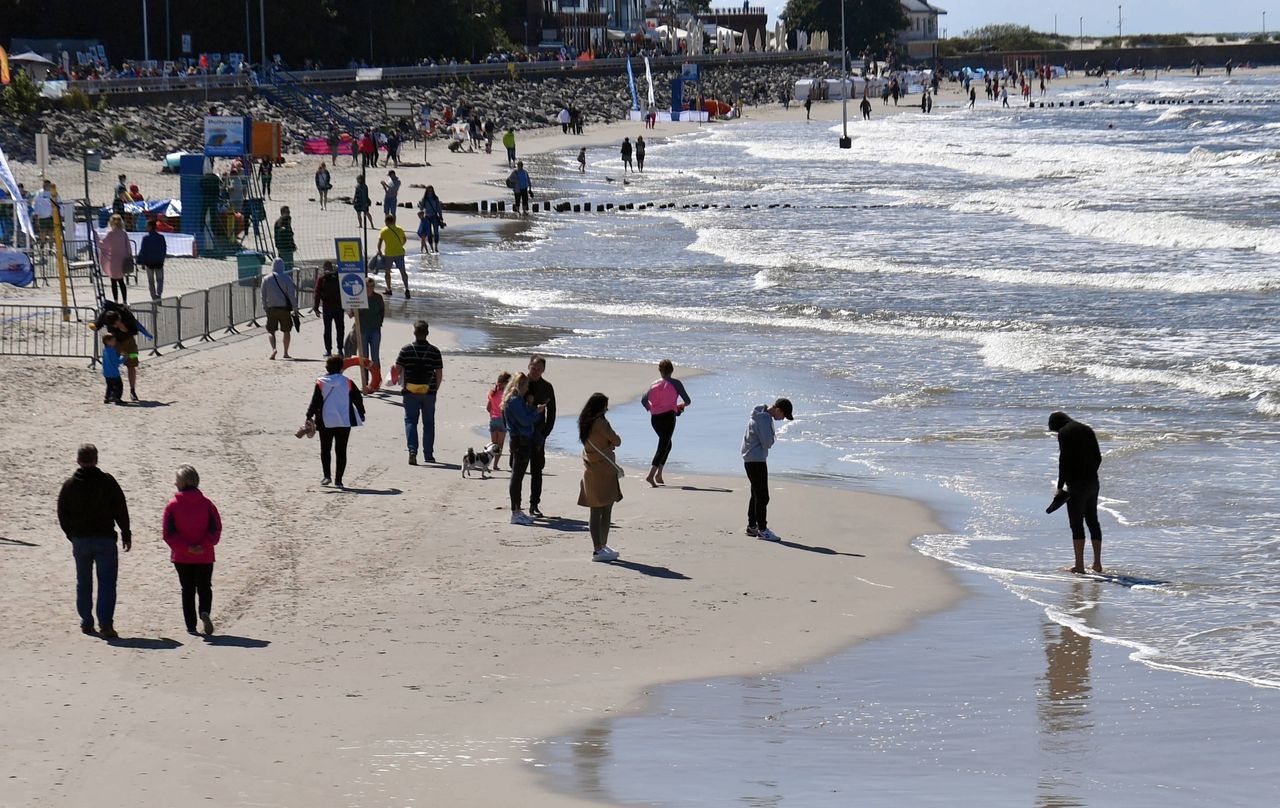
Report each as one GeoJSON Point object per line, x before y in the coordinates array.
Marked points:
{"type": "Point", "coordinates": [151, 254]}
{"type": "Point", "coordinates": [327, 296]}
{"type": "Point", "coordinates": [626, 155]}
{"type": "Point", "coordinates": [192, 526]}
{"type": "Point", "coordinates": [497, 426]}
{"type": "Point", "coordinates": [665, 399]}
{"type": "Point", "coordinates": [600, 473]}
{"type": "Point", "coordinates": [640, 153]}
{"type": "Point", "coordinates": [756, 442]}
{"type": "Point", "coordinates": [114, 251]}
{"type": "Point", "coordinates": [336, 407]}
{"type": "Point", "coordinates": [124, 326]}
{"type": "Point", "coordinates": [264, 175]}
{"type": "Point", "coordinates": [391, 246]}
{"type": "Point", "coordinates": [521, 418]}
{"type": "Point", "coordinates": [420, 369]}
{"type": "Point", "coordinates": [324, 182]}
{"type": "Point", "coordinates": [286, 246]}
{"type": "Point", "coordinates": [361, 202]}
{"type": "Point", "coordinates": [1078, 460]}
{"type": "Point", "coordinates": [509, 143]}
{"type": "Point", "coordinates": [544, 397]}
{"type": "Point", "coordinates": [111, 362]}
{"type": "Point", "coordinates": [390, 194]}
{"type": "Point", "coordinates": [582, 160]}
{"type": "Point", "coordinates": [280, 302]}
{"type": "Point", "coordinates": [90, 506]}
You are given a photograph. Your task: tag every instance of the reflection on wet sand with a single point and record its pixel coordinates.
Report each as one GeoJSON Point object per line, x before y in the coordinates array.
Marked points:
{"type": "Point", "coordinates": [1062, 704]}
{"type": "Point", "coordinates": [590, 756]}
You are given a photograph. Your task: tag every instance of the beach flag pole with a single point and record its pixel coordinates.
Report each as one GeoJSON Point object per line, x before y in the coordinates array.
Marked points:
{"type": "Point", "coordinates": [845, 142]}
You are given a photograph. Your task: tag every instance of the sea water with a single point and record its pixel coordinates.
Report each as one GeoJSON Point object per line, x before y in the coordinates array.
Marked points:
{"type": "Point", "coordinates": [928, 297]}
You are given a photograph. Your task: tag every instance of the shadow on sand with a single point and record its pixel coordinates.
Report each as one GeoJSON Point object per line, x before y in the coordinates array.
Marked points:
{"type": "Point", "coordinates": [232, 641]}
{"type": "Point", "coordinates": [646, 569]}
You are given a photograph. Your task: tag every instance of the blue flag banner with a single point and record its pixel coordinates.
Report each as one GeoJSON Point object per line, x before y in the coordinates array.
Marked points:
{"type": "Point", "coordinates": [631, 82]}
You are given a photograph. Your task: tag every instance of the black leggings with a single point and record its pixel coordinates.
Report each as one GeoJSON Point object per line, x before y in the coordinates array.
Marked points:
{"type": "Point", "coordinates": [1082, 509]}
{"type": "Point", "coordinates": [328, 437]}
{"type": "Point", "coordinates": [520, 447]}
{"type": "Point", "coordinates": [599, 526]}
{"type": "Point", "coordinates": [758, 507]}
{"type": "Point", "coordinates": [665, 425]}
{"type": "Point", "coordinates": [196, 579]}
{"type": "Point", "coordinates": [122, 285]}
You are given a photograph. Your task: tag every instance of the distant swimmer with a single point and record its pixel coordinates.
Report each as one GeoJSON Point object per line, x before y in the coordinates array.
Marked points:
{"type": "Point", "coordinates": [1078, 460]}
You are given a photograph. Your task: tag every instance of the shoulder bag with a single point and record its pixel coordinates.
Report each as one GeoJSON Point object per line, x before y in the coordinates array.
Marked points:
{"type": "Point", "coordinates": [609, 460]}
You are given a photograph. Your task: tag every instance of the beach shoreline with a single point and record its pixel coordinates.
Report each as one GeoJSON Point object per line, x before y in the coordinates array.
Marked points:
{"type": "Point", "coordinates": [324, 634]}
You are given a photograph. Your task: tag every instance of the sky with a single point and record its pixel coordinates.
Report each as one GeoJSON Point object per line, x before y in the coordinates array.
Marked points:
{"type": "Point", "coordinates": [1140, 16]}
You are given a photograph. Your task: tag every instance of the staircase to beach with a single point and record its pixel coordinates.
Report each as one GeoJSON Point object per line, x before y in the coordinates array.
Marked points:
{"type": "Point", "coordinates": [284, 91]}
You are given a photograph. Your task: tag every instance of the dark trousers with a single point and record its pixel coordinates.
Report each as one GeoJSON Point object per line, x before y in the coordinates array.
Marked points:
{"type": "Point", "coordinates": [520, 449]}
{"type": "Point", "coordinates": [537, 462]}
{"type": "Point", "coordinates": [333, 319]}
{"type": "Point", "coordinates": [196, 580]}
{"type": "Point", "coordinates": [100, 554]}
{"type": "Point", "coordinates": [1082, 509]}
{"type": "Point", "coordinates": [599, 525]}
{"type": "Point", "coordinates": [328, 438]}
{"type": "Point", "coordinates": [665, 425]}
{"type": "Point", "coordinates": [115, 388]}
{"type": "Point", "coordinates": [758, 507]}
{"type": "Point", "coordinates": [118, 286]}
{"type": "Point", "coordinates": [522, 200]}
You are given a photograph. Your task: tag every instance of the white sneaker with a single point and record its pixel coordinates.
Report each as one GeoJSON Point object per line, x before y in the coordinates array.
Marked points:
{"type": "Point", "coordinates": [616, 554]}
{"type": "Point", "coordinates": [520, 518]}
{"type": "Point", "coordinates": [768, 535]}
{"type": "Point", "coordinates": [604, 554]}
{"type": "Point", "coordinates": [325, 481]}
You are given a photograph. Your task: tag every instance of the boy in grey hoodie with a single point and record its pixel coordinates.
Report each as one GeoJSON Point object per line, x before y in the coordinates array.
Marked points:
{"type": "Point", "coordinates": [755, 455]}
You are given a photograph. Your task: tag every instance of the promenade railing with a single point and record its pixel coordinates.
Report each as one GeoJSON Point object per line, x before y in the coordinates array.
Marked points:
{"type": "Point", "coordinates": [199, 316]}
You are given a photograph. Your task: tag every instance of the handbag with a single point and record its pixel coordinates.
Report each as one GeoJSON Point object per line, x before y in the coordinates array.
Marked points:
{"type": "Point", "coordinates": [297, 321]}
{"type": "Point", "coordinates": [616, 467]}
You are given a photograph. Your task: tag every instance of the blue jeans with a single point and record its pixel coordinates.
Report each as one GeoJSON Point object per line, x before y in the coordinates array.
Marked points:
{"type": "Point", "coordinates": [371, 345]}
{"type": "Point", "coordinates": [97, 552]}
{"type": "Point", "coordinates": [333, 317]}
{"type": "Point", "coordinates": [420, 405]}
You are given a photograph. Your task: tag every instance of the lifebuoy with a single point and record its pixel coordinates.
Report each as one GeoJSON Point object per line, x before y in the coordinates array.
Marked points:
{"type": "Point", "coordinates": [375, 372]}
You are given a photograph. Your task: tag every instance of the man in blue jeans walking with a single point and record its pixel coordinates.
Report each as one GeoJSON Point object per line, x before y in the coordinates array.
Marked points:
{"type": "Point", "coordinates": [90, 505]}
{"type": "Point", "coordinates": [421, 370]}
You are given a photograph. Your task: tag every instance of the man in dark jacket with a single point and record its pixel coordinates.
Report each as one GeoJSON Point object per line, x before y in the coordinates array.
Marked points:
{"type": "Point", "coordinates": [90, 506]}
{"type": "Point", "coordinates": [543, 393]}
{"type": "Point", "coordinates": [327, 295]}
{"type": "Point", "coordinates": [151, 254]}
{"type": "Point", "coordinates": [1078, 460]}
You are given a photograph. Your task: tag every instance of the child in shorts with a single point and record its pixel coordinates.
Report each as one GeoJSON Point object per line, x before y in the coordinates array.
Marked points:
{"type": "Point", "coordinates": [111, 362]}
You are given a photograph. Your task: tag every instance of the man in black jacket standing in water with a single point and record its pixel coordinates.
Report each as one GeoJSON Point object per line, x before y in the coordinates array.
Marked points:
{"type": "Point", "coordinates": [1078, 460]}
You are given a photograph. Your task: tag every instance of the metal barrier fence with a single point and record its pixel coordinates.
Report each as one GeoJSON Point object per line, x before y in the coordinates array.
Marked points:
{"type": "Point", "coordinates": [64, 331]}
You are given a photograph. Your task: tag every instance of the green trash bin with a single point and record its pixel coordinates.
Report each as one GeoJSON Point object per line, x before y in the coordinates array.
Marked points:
{"type": "Point", "coordinates": [249, 267]}
{"type": "Point", "coordinates": [93, 160]}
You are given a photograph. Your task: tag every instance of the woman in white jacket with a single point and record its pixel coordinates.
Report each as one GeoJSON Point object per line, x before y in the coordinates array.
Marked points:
{"type": "Point", "coordinates": [336, 406]}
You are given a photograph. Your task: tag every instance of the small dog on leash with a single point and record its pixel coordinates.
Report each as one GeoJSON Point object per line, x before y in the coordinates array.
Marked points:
{"type": "Point", "coordinates": [481, 461]}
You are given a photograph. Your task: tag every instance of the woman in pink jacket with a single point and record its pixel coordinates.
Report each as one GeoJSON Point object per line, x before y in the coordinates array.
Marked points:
{"type": "Point", "coordinates": [114, 250]}
{"type": "Point", "coordinates": [192, 527]}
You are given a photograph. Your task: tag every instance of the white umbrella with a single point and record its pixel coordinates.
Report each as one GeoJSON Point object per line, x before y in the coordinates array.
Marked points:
{"type": "Point", "coordinates": [31, 58]}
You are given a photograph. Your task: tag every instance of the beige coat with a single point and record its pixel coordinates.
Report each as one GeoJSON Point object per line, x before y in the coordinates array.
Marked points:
{"type": "Point", "coordinates": [599, 477]}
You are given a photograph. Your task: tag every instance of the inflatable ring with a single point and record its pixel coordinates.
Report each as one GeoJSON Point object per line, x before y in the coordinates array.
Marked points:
{"type": "Point", "coordinates": [375, 372]}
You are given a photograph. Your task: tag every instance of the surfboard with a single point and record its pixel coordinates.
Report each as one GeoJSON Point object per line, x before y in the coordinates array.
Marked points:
{"type": "Point", "coordinates": [1118, 578]}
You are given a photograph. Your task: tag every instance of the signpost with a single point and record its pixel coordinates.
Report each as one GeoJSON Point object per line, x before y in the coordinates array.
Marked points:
{"type": "Point", "coordinates": [354, 289]}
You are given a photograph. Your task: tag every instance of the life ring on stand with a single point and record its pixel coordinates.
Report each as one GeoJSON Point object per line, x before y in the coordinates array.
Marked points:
{"type": "Point", "coordinates": [375, 372]}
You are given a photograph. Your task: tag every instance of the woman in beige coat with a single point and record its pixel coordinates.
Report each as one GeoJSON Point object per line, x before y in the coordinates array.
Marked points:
{"type": "Point", "coordinates": [114, 250]}
{"type": "Point", "coordinates": [600, 472]}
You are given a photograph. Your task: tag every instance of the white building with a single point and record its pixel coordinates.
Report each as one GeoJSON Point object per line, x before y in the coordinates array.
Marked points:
{"type": "Point", "coordinates": [921, 34]}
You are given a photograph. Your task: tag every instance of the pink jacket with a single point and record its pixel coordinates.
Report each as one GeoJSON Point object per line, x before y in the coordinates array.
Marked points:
{"type": "Point", "coordinates": [115, 247]}
{"type": "Point", "coordinates": [190, 521]}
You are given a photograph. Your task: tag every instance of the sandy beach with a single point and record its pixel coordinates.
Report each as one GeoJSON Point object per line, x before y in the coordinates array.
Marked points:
{"type": "Point", "coordinates": [403, 614]}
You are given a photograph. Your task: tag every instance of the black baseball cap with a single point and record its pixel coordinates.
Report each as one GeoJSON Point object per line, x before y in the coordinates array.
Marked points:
{"type": "Point", "coordinates": [784, 404]}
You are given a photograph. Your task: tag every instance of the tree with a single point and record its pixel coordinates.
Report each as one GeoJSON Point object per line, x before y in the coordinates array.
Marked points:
{"type": "Point", "coordinates": [868, 23]}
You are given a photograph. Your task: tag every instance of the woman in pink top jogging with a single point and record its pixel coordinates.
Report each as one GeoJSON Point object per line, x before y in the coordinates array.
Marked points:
{"type": "Point", "coordinates": [497, 426]}
{"type": "Point", "coordinates": [665, 400]}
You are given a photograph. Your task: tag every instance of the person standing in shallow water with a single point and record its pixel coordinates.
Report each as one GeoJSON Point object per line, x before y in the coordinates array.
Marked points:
{"type": "Point", "coordinates": [640, 153]}
{"type": "Point", "coordinates": [626, 155]}
{"type": "Point", "coordinates": [665, 399]}
{"type": "Point", "coordinates": [1078, 460]}
{"type": "Point", "coordinates": [192, 526]}
{"type": "Point", "coordinates": [600, 488]}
